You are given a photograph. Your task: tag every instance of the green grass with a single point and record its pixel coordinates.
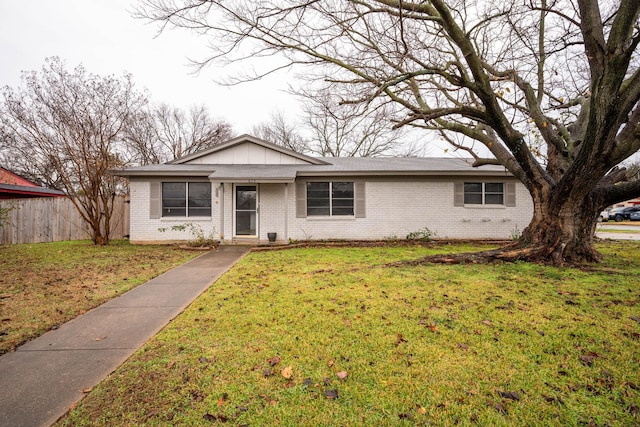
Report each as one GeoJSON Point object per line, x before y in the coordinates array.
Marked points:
{"type": "Point", "coordinates": [502, 344]}
{"type": "Point", "coordinates": [46, 284]}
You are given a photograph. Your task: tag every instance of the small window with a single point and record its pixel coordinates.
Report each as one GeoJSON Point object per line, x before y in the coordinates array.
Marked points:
{"type": "Point", "coordinates": [318, 199]}
{"type": "Point", "coordinates": [472, 193]}
{"type": "Point", "coordinates": [493, 193]}
{"type": "Point", "coordinates": [330, 198]}
{"type": "Point", "coordinates": [185, 199]}
{"type": "Point", "coordinates": [483, 193]}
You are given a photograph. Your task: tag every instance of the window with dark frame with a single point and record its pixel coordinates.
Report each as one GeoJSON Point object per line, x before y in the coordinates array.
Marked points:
{"type": "Point", "coordinates": [484, 193]}
{"type": "Point", "coordinates": [330, 198]}
{"type": "Point", "coordinates": [186, 199]}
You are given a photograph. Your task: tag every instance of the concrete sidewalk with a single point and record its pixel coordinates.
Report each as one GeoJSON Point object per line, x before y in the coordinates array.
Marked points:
{"type": "Point", "coordinates": [44, 377]}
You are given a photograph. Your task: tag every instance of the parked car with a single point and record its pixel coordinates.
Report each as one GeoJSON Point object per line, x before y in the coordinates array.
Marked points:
{"type": "Point", "coordinates": [604, 216]}
{"type": "Point", "coordinates": [620, 214]}
{"type": "Point", "coordinates": [635, 216]}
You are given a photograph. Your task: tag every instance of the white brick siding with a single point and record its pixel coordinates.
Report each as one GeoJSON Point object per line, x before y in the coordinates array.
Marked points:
{"type": "Point", "coordinates": [273, 209]}
{"type": "Point", "coordinates": [146, 230]}
{"type": "Point", "coordinates": [393, 209]}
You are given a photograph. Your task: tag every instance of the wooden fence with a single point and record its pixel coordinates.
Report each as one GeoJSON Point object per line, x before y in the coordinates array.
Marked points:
{"type": "Point", "coordinates": [54, 219]}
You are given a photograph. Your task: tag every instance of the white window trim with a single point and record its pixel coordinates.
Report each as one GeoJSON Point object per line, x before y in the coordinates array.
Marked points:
{"type": "Point", "coordinates": [509, 191]}
{"type": "Point", "coordinates": [331, 215]}
{"type": "Point", "coordinates": [186, 217]}
{"type": "Point", "coordinates": [484, 195]}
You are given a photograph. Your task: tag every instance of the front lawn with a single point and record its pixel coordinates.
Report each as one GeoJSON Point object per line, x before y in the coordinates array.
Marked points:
{"type": "Point", "coordinates": [43, 285]}
{"type": "Point", "coordinates": [333, 337]}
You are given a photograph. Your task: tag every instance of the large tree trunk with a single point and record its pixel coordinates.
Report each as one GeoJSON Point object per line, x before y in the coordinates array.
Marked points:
{"type": "Point", "coordinates": [557, 235]}
{"type": "Point", "coordinates": [561, 231]}
{"type": "Point", "coordinates": [560, 238]}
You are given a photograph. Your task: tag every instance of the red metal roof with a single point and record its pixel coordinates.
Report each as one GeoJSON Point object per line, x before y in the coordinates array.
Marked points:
{"type": "Point", "coordinates": [13, 186]}
{"type": "Point", "coordinates": [8, 177]}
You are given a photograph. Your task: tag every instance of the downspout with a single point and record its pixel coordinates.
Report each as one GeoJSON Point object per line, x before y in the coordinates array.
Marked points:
{"type": "Point", "coordinates": [286, 211]}
{"type": "Point", "coordinates": [222, 212]}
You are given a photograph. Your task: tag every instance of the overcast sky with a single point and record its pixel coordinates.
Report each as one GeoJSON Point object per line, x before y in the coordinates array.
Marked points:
{"type": "Point", "coordinates": [102, 36]}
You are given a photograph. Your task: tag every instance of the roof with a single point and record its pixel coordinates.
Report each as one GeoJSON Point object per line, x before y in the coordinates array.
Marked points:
{"type": "Point", "coordinates": [227, 170]}
{"type": "Point", "coordinates": [8, 177]}
{"type": "Point", "coordinates": [355, 166]}
{"type": "Point", "coordinates": [21, 191]}
{"type": "Point", "coordinates": [166, 169]}
{"type": "Point", "coordinates": [14, 186]}
{"type": "Point", "coordinates": [404, 166]}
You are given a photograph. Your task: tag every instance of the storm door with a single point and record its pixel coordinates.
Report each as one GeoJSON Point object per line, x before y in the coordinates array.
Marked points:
{"type": "Point", "coordinates": [246, 216]}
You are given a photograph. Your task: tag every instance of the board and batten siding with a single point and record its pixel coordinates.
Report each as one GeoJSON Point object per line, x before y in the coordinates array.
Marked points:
{"type": "Point", "coordinates": [248, 154]}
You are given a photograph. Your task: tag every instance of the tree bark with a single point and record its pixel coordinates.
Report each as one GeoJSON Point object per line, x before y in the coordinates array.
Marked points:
{"type": "Point", "coordinates": [557, 236]}
{"type": "Point", "coordinates": [561, 232]}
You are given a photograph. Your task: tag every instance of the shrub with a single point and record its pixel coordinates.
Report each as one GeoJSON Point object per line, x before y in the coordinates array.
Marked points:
{"type": "Point", "coordinates": [424, 234]}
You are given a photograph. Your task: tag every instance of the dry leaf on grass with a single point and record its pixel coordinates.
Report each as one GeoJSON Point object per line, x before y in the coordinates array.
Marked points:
{"type": "Point", "coordinates": [331, 394]}
{"type": "Point", "coordinates": [287, 372]}
{"type": "Point", "coordinates": [509, 395]}
{"type": "Point", "coordinates": [274, 360]}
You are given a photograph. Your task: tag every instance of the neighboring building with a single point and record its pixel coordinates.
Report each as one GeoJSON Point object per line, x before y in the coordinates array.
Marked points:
{"type": "Point", "coordinates": [13, 186]}
{"type": "Point", "coordinates": [244, 189]}
{"type": "Point", "coordinates": [632, 202]}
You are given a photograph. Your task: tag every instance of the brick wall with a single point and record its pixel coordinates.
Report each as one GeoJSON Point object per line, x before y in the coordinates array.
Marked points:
{"type": "Point", "coordinates": [393, 209]}
{"type": "Point", "coordinates": [146, 230]}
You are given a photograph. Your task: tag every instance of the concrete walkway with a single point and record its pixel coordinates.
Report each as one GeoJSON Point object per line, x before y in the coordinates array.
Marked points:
{"type": "Point", "coordinates": [619, 231]}
{"type": "Point", "coordinates": [44, 377]}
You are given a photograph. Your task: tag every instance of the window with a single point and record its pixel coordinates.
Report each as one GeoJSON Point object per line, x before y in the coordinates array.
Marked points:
{"type": "Point", "coordinates": [330, 198]}
{"type": "Point", "coordinates": [483, 193]}
{"type": "Point", "coordinates": [186, 199]}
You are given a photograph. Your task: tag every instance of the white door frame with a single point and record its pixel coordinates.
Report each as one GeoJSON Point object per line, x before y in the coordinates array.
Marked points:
{"type": "Point", "coordinates": [257, 211]}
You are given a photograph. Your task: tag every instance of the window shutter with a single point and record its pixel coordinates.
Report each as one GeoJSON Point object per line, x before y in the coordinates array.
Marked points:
{"type": "Point", "coordinates": [510, 194]}
{"type": "Point", "coordinates": [301, 199]}
{"type": "Point", "coordinates": [155, 200]}
{"type": "Point", "coordinates": [360, 201]}
{"type": "Point", "coordinates": [458, 194]}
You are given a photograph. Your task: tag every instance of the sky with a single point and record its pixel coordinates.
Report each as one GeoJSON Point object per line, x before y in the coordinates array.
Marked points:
{"type": "Point", "coordinates": [104, 37]}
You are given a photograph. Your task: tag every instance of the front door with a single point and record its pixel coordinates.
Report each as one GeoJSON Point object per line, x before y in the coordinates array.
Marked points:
{"type": "Point", "coordinates": [246, 217]}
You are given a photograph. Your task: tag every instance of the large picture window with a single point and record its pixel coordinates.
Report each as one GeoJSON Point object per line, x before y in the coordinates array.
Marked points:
{"type": "Point", "coordinates": [186, 199]}
{"type": "Point", "coordinates": [483, 193]}
{"type": "Point", "coordinates": [330, 198]}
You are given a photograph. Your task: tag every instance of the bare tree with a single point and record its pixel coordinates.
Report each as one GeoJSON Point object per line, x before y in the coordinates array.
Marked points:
{"type": "Point", "coordinates": [337, 131]}
{"type": "Point", "coordinates": [549, 87]}
{"type": "Point", "coordinates": [163, 133]}
{"type": "Point", "coordinates": [345, 130]}
{"type": "Point", "coordinates": [143, 145]}
{"type": "Point", "coordinates": [65, 129]}
{"type": "Point", "coordinates": [283, 132]}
